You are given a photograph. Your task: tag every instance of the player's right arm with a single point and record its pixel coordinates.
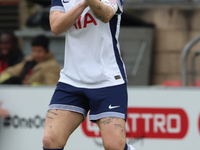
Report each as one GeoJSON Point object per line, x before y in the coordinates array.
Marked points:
{"type": "Point", "coordinates": [61, 21]}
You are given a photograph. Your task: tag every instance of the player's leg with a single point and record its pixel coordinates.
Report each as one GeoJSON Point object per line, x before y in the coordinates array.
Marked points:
{"type": "Point", "coordinates": [67, 109]}
{"type": "Point", "coordinates": [109, 109]}
{"type": "Point", "coordinates": [113, 133]}
{"type": "Point", "coordinates": [58, 127]}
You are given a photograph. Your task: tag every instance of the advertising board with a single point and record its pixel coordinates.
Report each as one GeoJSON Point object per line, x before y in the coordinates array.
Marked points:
{"type": "Point", "coordinates": [157, 119]}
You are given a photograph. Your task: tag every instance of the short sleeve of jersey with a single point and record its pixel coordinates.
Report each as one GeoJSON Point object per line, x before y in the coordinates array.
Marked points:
{"type": "Point", "coordinates": [120, 4]}
{"type": "Point", "coordinates": [57, 5]}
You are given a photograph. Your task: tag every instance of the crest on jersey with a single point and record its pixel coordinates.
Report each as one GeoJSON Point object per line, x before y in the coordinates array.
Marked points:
{"type": "Point", "coordinates": [65, 1]}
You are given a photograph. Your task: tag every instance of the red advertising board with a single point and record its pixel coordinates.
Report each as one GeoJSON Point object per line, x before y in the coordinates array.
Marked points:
{"type": "Point", "coordinates": [149, 122]}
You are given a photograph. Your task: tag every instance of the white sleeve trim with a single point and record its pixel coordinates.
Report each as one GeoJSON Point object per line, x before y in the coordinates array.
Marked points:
{"type": "Point", "coordinates": [113, 4]}
{"type": "Point", "coordinates": [57, 8]}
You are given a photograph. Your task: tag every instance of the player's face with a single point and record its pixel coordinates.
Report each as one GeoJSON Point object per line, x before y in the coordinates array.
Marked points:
{"type": "Point", "coordinates": [6, 44]}
{"type": "Point", "coordinates": [38, 53]}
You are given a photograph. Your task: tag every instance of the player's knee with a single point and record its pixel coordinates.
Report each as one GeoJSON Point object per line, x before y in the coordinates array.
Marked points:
{"type": "Point", "coordinates": [114, 145]}
{"type": "Point", "coordinates": [46, 141]}
{"type": "Point", "coordinates": [51, 141]}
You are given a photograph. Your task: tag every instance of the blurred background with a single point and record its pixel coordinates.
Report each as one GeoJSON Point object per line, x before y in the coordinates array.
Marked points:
{"type": "Point", "coordinates": [153, 36]}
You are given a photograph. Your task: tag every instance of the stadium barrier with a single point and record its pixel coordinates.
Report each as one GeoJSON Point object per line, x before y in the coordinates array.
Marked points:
{"type": "Point", "coordinates": [158, 118]}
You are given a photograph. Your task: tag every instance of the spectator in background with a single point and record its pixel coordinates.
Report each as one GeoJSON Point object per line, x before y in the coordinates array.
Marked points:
{"type": "Point", "coordinates": [9, 51]}
{"type": "Point", "coordinates": [3, 112]}
{"type": "Point", "coordinates": [40, 68]}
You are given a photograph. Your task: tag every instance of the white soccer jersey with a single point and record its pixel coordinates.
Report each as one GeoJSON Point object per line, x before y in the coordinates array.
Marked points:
{"type": "Point", "coordinates": [92, 54]}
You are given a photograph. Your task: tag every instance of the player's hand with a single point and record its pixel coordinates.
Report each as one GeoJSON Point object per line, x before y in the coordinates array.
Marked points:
{"type": "Point", "coordinates": [3, 112]}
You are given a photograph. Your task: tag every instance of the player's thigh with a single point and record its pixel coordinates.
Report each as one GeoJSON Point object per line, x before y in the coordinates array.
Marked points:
{"type": "Point", "coordinates": [113, 132]}
{"type": "Point", "coordinates": [59, 125]}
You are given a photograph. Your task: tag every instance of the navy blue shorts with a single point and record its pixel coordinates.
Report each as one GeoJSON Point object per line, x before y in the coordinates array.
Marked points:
{"type": "Point", "coordinates": [102, 102]}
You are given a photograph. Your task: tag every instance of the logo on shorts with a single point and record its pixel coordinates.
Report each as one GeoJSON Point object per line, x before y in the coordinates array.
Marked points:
{"type": "Point", "coordinates": [111, 107]}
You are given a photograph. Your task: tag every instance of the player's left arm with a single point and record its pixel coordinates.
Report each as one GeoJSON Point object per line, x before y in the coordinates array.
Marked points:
{"type": "Point", "coordinates": [104, 10]}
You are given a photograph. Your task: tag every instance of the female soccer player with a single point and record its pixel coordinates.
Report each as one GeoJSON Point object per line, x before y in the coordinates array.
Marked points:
{"type": "Point", "coordinates": [93, 77]}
